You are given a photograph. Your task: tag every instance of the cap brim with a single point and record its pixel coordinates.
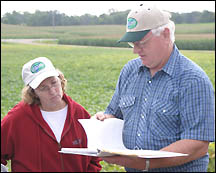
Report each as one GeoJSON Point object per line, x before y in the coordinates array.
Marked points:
{"type": "Point", "coordinates": [36, 82]}
{"type": "Point", "coordinates": [133, 36]}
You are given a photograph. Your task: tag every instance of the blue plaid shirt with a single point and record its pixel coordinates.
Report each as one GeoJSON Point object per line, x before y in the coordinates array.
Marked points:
{"type": "Point", "coordinates": [176, 103]}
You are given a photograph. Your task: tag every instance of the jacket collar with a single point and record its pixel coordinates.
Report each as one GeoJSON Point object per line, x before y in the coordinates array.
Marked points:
{"type": "Point", "coordinates": [33, 111]}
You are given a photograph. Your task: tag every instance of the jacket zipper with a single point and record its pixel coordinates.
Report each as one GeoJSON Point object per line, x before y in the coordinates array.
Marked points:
{"type": "Point", "coordinates": [62, 163]}
{"type": "Point", "coordinates": [59, 145]}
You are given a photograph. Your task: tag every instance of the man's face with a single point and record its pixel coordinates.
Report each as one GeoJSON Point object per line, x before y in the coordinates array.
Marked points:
{"type": "Point", "coordinates": [152, 50]}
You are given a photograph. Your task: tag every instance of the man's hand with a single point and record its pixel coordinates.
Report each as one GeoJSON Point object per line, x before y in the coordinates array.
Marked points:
{"type": "Point", "coordinates": [101, 116]}
{"type": "Point", "coordinates": [126, 161]}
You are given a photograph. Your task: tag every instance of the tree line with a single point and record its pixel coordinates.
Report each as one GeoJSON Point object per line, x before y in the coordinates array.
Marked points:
{"type": "Point", "coordinates": [55, 18]}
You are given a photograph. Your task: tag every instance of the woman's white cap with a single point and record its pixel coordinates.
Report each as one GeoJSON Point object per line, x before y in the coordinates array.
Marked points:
{"type": "Point", "coordinates": [37, 70]}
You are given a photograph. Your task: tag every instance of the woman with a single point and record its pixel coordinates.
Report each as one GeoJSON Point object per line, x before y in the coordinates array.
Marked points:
{"type": "Point", "coordinates": [45, 121]}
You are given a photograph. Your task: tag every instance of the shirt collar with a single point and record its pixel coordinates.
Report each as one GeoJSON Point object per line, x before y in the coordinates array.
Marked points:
{"type": "Point", "coordinates": [170, 65]}
{"type": "Point", "coordinates": [141, 67]}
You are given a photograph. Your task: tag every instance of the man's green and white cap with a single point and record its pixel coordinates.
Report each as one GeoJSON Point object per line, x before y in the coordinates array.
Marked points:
{"type": "Point", "coordinates": [141, 20]}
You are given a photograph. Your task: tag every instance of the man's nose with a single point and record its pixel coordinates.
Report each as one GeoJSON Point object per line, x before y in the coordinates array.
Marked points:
{"type": "Point", "coordinates": [136, 49]}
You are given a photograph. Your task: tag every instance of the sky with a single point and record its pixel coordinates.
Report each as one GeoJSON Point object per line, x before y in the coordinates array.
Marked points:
{"type": "Point", "coordinates": [78, 8]}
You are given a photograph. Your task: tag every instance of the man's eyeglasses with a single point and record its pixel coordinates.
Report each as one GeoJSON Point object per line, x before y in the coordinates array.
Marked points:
{"type": "Point", "coordinates": [140, 44]}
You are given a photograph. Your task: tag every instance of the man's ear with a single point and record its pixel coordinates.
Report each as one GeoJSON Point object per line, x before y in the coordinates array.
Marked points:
{"type": "Point", "coordinates": [166, 33]}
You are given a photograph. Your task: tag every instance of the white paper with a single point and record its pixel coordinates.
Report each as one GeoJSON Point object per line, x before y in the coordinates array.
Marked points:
{"type": "Point", "coordinates": [81, 151]}
{"type": "Point", "coordinates": [104, 138]}
{"type": "Point", "coordinates": [4, 168]}
{"type": "Point", "coordinates": [103, 134]}
{"type": "Point", "coordinates": [144, 153]}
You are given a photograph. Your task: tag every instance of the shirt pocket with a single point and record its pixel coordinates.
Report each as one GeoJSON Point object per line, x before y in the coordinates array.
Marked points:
{"type": "Point", "coordinates": [126, 105]}
{"type": "Point", "coordinates": [164, 119]}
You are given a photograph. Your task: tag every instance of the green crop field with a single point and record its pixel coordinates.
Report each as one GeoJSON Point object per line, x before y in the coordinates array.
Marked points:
{"type": "Point", "coordinates": [188, 36]}
{"type": "Point", "coordinates": [183, 31]}
{"type": "Point", "coordinates": [92, 73]}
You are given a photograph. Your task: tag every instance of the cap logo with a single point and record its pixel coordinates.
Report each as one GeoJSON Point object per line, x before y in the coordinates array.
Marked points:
{"type": "Point", "coordinates": [132, 23]}
{"type": "Point", "coordinates": [37, 66]}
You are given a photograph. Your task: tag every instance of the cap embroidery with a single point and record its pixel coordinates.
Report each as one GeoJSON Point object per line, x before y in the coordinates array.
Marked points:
{"type": "Point", "coordinates": [37, 66]}
{"type": "Point", "coordinates": [132, 23]}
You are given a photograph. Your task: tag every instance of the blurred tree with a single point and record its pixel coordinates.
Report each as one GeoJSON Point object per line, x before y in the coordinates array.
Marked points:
{"type": "Point", "coordinates": [55, 18]}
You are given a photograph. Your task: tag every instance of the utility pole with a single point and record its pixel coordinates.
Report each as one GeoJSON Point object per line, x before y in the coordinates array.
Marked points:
{"type": "Point", "coordinates": [53, 23]}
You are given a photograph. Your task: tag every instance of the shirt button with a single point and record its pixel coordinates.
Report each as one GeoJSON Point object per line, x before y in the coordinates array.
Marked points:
{"type": "Point", "coordinates": [136, 148]}
{"type": "Point", "coordinates": [145, 99]}
{"type": "Point", "coordinates": [149, 81]}
{"type": "Point", "coordinates": [138, 134]}
{"type": "Point", "coordinates": [142, 116]}
{"type": "Point", "coordinates": [123, 103]}
{"type": "Point", "coordinates": [164, 110]}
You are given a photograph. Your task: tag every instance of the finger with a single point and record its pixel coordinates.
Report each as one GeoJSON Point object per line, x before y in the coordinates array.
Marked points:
{"type": "Point", "coordinates": [100, 116]}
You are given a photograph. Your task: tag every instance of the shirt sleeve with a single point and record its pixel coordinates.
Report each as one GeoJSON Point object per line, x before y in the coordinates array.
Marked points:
{"type": "Point", "coordinates": [197, 109]}
{"type": "Point", "coordinates": [113, 107]}
{"type": "Point", "coordinates": [6, 140]}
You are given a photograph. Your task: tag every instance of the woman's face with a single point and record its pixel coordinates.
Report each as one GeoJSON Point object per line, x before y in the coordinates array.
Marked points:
{"type": "Point", "coordinates": [50, 93]}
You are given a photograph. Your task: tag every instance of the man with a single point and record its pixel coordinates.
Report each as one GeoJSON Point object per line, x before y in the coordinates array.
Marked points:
{"type": "Point", "coordinates": [165, 99]}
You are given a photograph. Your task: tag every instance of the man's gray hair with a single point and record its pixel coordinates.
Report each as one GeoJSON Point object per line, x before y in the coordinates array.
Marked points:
{"type": "Point", "coordinates": [170, 26]}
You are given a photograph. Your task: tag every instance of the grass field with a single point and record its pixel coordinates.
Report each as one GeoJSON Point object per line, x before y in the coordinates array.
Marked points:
{"type": "Point", "coordinates": [183, 31]}
{"type": "Point", "coordinates": [91, 72]}
{"type": "Point", "coordinates": [188, 36]}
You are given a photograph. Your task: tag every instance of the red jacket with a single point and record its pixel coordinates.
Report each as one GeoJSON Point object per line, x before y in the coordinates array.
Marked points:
{"type": "Point", "coordinates": [31, 145]}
